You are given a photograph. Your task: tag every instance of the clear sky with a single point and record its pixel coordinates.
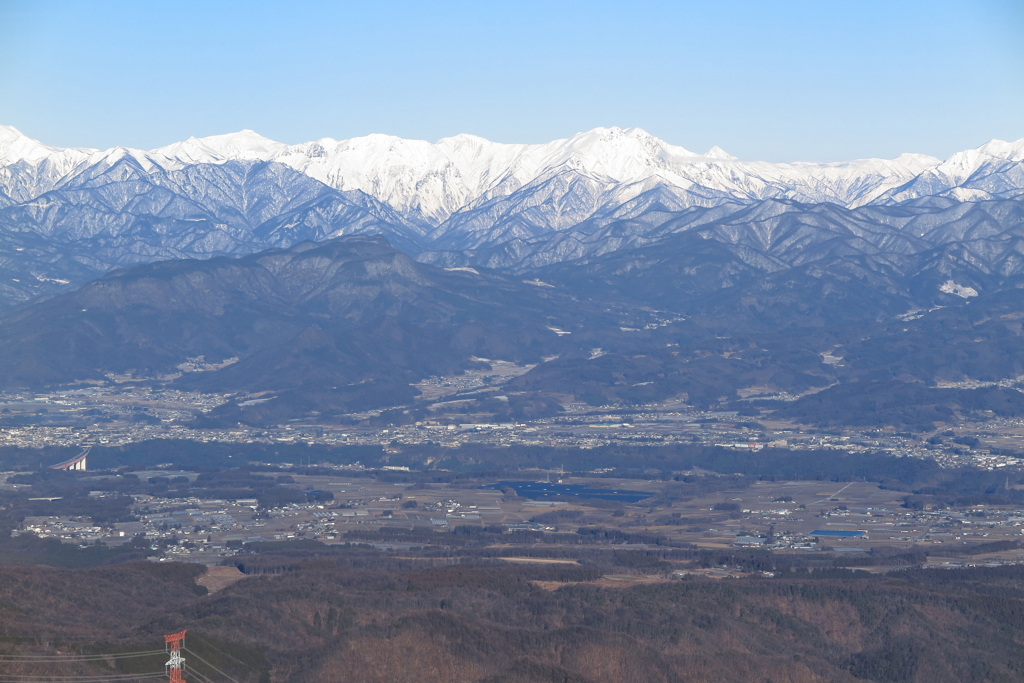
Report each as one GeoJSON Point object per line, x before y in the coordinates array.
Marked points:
{"type": "Point", "coordinates": [776, 80]}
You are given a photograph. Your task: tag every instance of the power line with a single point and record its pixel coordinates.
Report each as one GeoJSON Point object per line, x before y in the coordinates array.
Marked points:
{"type": "Point", "coordinates": [72, 656]}
{"type": "Point", "coordinates": [192, 653]}
{"type": "Point", "coordinates": [191, 671]}
{"type": "Point", "coordinates": [108, 677]}
{"type": "Point", "coordinates": [207, 643]}
{"type": "Point", "coordinates": [114, 677]}
{"type": "Point", "coordinates": [53, 638]}
{"type": "Point", "coordinates": [105, 677]}
{"type": "Point", "coordinates": [79, 679]}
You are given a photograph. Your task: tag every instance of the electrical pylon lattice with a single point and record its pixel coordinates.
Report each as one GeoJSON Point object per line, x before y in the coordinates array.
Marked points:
{"type": "Point", "coordinates": [176, 662]}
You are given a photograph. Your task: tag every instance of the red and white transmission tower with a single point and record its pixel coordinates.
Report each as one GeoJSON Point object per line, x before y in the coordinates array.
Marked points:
{"type": "Point", "coordinates": [176, 662]}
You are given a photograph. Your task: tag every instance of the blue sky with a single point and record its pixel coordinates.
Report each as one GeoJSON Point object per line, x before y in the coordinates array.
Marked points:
{"type": "Point", "coordinates": [778, 81]}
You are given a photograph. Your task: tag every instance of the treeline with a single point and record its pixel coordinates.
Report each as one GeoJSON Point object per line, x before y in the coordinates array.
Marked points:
{"type": "Point", "coordinates": [965, 488]}
{"type": "Point", "coordinates": [465, 536]}
{"type": "Point", "coordinates": [365, 616]}
{"type": "Point", "coordinates": [28, 550]}
{"type": "Point", "coordinates": [639, 462]}
{"type": "Point", "coordinates": [72, 489]}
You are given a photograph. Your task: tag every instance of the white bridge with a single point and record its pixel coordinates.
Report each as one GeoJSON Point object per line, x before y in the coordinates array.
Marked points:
{"type": "Point", "coordinates": [76, 463]}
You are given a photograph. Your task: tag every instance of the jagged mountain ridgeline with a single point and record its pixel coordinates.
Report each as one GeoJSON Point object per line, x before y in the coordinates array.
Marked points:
{"type": "Point", "coordinates": [70, 215]}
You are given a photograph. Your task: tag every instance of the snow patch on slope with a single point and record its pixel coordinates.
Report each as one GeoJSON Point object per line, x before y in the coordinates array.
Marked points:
{"type": "Point", "coordinates": [950, 287]}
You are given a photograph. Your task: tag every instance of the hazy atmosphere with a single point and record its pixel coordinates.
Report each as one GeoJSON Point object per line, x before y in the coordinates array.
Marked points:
{"type": "Point", "coordinates": [538, 342]}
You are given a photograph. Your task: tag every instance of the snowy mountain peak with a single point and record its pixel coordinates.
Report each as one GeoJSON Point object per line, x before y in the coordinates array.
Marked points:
{"type": "Point", "coordinates": [245, 144]}
{"type": "Point", "coordinates": [16, 146]}
{"type": "Point", "coordinates": [10, 134]}
{"type": "Point", "coordinates": [599, 190]}
{"type": "Point", "coordinates": [960, 167]}
{"type": "Point", "coordinates": [1000, 149]}
{"type": "Point", "coordinates": [429, 183]}
{"type": "Point", "coordinates": [465, 138]}
{"type": "Point", "coordinates": [620, 138]}
{"type": "Point", "coordinates": [917, 161]}
{"type": "Point", "coordinates": [717, 152]}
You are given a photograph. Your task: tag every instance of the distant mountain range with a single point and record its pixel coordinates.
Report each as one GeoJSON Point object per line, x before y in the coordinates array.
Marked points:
{"type": "Point", "coordinates": [326, 278]}
{"type": "Point", "coordinates": [70, 215]}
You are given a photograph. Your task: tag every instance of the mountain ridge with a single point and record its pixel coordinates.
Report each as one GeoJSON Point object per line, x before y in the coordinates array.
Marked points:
{"type": "Point", "coordinates": [68, 215]}
{"type": "Point", "coordinates": [348, 321]}
{"type": "Point", "coordinates": [464, 167]}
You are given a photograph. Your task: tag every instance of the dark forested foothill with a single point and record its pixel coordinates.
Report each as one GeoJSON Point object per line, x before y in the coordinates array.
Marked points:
{"type": "Point", "coordinates": [323, 331]}
{"type": "Point", "coordinates": [903, 405]}
{"type": "Point", "coordinates": [334, 327]}
{"type": "Point", "coordinates": [359, 617]}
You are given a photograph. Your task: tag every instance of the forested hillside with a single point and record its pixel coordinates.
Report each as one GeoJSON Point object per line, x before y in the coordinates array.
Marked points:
{"type": "Point", "coordinates": [367, 618]}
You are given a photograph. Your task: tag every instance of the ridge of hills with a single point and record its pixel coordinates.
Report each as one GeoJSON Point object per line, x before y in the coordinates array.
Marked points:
{"type": "Point", "coordinates": [347, 322]}
{"type": "Point", "coordinates": [776, 234]}
{"type": "Point", "coordinates": [69, 215]}
{"type": "Point", "coordinates": [359, 615]}
{"type": "Point", "coordinates": [347, 325]}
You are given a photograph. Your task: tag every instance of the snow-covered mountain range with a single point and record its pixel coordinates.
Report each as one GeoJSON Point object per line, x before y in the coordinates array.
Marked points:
{"type": "Point", "coordinates": [66, 214]}
{"type": "Point", "coordinates": [429, 182]}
